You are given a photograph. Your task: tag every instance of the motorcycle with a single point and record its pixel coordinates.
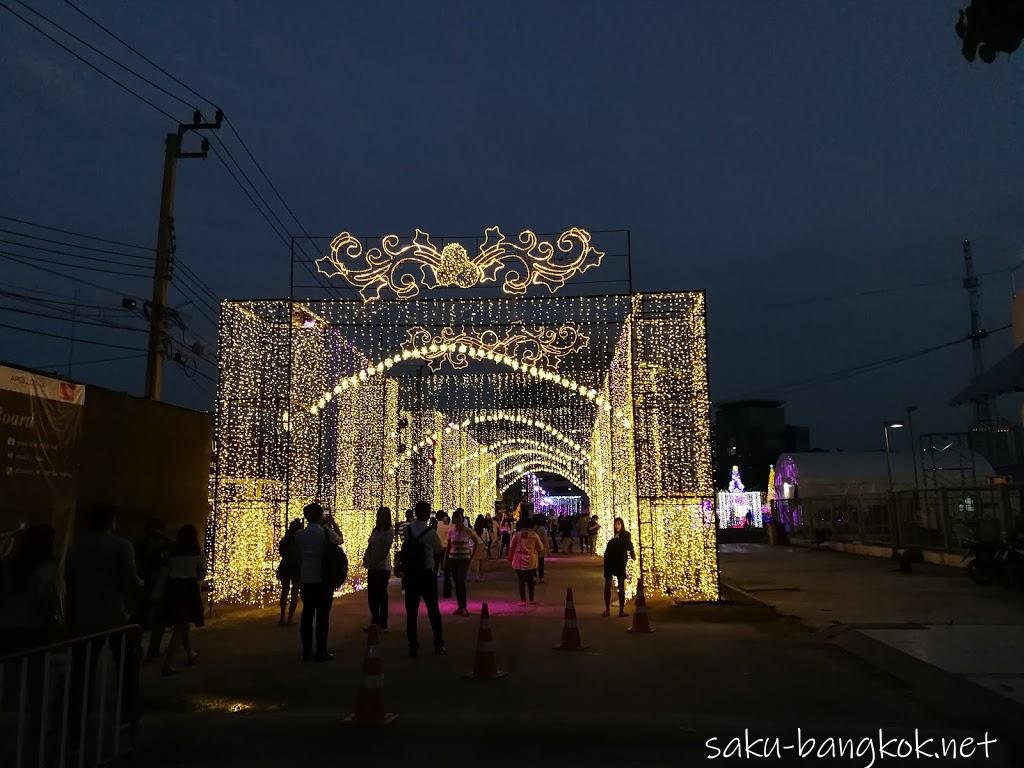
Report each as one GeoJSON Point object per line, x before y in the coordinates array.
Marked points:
{"type": "Point", "coordinates": [989, 562]}
{"type": "Point", "coordinates": [982, 566]}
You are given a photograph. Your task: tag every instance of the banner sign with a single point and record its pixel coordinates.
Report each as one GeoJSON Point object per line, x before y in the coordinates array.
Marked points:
{"type": "Point", "coordinates": [40, 428]}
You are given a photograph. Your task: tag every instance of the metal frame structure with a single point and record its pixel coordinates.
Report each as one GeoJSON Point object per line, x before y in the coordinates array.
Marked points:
{"type": "Point", "coordinates": [363, 403]}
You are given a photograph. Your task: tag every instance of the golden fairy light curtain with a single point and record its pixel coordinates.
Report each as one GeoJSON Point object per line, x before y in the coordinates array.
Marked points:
{"type": "Point", "coordinates": [365, 404]}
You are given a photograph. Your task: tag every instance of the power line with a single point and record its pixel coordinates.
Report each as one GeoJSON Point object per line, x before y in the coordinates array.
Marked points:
{"type": "Point", "coordinates": [78, 234]}
{"type": "Point", "coordinates": [64, 364]}
{"type": "Point", "coordinates": [287, 207]}
{"type": "Point", "coordinates": [69, 338]}
{"type": "Point", "coordinates": [74, 320]}
{"type": "Point", "coordinates": [154, 106]}
{"type": "Point", "coordinates": [197, 280]}
{"type": "Point", "coordinates": [845, 373]}
{"type": "Point", "coordinates": [143, 56]}
{"type": "Point", "coordinates": [88, 63]}
{"type": "Point", "coordinates": [782, 301]}
{"type": "Point", "coordinates": [74, 278]}
{"type": "Point", "coordinates": [42, 300]}
{"type": "Point", "coordinates": [75, 245]}
{"type": "Point", "coordinates": [8, 254]}
{"type": "Point", "coordinates": [284, 239]}
{"type": "Point", "coordinates": [105, 55]}
{"type": "Point", "coordinates": [98, 259]}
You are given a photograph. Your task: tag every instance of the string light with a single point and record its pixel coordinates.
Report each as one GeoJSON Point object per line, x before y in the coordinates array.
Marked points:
{"type": "Point", "coordinates": [361, 404]}
{"type": "Point", "coordinates": [404, 269]}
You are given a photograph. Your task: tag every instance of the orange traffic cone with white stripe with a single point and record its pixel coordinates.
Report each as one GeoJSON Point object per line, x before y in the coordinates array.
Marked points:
{"type": "Point", "coordinates": [370, 698]}
{"type": "Point", "coordinates": [641, 622]}
{"type": "Point", "coordinates": [485, 667]}
{"type": "Point", "coordinates": [570, 630]}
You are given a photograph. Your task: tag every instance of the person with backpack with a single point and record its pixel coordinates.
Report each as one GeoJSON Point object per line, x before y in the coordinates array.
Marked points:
{"type": "Point", "coordinates": [524, 552]}
{"type": "Point", "coordinates": [417, 556]}
{"type": "Point", "coordinates": [319, 544]}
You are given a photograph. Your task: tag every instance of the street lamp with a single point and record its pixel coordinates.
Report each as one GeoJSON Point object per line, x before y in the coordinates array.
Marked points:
{"type": "Point", "coordinates": [886, 426]}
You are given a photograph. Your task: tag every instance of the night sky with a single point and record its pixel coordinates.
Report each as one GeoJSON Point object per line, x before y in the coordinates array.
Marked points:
{"type": "Point", "coordinates": [784, 156]}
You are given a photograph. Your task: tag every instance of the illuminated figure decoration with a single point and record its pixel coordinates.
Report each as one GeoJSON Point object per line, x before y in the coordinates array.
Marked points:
{"type": "Point", "coordinates": [737, 507]}
{"type": "Point", "coordinates": [406, 268]}
{"type": "Point", "coordinates": [735, 483]}
{"type": "Point", "coordinates": [770, 495]}
{"type": "Point", "coordinates": [532, 346]}
{"type": "Point", "coordinates": [382, 401]}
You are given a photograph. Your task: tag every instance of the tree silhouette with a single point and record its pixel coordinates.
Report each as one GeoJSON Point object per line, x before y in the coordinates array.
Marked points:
{"type": "Point", "coordinates": [989, 27]}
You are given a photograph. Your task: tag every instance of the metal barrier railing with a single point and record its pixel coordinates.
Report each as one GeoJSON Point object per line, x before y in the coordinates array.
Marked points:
{"type": "Point", "coordinates": [47, 712]}
{"type": "Point", "coordinates": [935, 519]}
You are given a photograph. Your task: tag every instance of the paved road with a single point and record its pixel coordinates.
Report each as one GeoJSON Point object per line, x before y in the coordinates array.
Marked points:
{"type": "Point", "coordinates": [936, 614]}
{"type": "Point", "coordinates": [707, 671]}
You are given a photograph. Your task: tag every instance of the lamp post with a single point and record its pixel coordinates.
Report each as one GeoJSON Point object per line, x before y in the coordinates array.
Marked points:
{"type": "Point", "coordinates": [886, 426]}
{"type": "Point", "coordinates": [913, 446]}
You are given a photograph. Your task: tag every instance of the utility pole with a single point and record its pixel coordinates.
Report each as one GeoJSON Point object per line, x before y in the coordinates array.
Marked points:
{"type": "Point", "coordinates": [162, 267]}
{"type": "Point", "coordinates": [982, 411]}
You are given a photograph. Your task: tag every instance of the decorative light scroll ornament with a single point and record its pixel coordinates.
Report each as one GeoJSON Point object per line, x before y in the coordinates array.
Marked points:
{"type": "Point", "coordinates": [531, 345]}
{"type": "Point", "coordinates": [394, 266]}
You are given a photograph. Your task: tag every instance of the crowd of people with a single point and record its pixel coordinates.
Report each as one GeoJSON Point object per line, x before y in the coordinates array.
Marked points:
{"type": "Point", "coordinates": [428, 547]}
{"type": "Point", "coordinates": [109, 582]}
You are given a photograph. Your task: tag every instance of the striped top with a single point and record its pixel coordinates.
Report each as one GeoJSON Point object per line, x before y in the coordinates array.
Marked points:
{"type": "Point", "coordinates": [460, 543]}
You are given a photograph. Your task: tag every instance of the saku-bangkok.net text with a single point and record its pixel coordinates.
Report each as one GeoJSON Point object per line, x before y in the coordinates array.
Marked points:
{"type": "Point", "coordinates": [863, 752]}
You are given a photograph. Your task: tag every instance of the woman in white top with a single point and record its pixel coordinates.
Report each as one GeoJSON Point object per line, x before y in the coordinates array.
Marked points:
{"type": "Point", "coordinates": [186, 567]}
{"type": "Point", "coordinates": [377, 561]}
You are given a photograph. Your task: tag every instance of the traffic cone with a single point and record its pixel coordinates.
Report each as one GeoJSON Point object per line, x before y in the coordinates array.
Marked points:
{"type": "Point", "coordinates": [641, 623]}
{"type": "Point", "coordinates": [370, 697]}
{"type": "Point", "coordinates": [485, 667]}
{"type": "Point", "coordinates": [570, 630]}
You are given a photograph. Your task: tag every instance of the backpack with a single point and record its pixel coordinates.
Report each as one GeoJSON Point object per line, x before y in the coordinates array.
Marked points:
{"type": "Point", "coordinates": [335, 564]}
{"type": "Point", "coordinates": [412, 548]}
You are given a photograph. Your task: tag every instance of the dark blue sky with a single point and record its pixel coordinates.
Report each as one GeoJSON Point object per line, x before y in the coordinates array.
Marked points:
{"type": "Point", "coordinates": [781, 155]}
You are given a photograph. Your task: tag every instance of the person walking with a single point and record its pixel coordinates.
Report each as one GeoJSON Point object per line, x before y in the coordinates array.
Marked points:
{"type": "Point", "coordinates": [418, 555]}
{"type": "Point", "coordinates": [593, 528]}
{"type": "Point", "coordinates": [524, 551]}
{"type": "Point", "coordinates": [491, 529]}
{"type": "Point", "coordinates": [101, 582]}
{"type": "Point", "coordinates": [377, 561]}
{"type": "Point", "coordinates": [481, 550]}
{"type": "Point", "coordinates": [619, 547]}
{"type": "Point", "coordinates": [288, 570]}
{"type": "Point", "coordinates": [29, 602]}
{"type": "Point", "coordinates": [565, 529]}
{"type": "Point", "coordinates": [186, 567]}
{"type": "Point", "coordinates": [581, 533]}
{"type": "Point", "coordinates": [540, 527]}
{"type": "Point", "coordinates": [505, 534]}
{"type": "Point", "coordinates": [441, 562]}
{"type": "Point", "coordinates": [317, 597]}
{"type": "Point", "coordinates": [151, 552]}
{"type": "Point", "coordinates": [462, 543]}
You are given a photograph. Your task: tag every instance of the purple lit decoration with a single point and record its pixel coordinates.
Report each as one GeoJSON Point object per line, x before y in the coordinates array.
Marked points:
{"type": "Point", "coordinates": [787, 496]}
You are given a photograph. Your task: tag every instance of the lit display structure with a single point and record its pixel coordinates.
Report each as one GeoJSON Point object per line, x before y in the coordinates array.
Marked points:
{"type": "Point", "coordinates": [363, 403]}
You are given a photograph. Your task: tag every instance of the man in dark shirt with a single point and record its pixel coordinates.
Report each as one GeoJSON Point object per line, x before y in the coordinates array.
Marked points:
{"type": "Point", "coordinates": [619, 548]}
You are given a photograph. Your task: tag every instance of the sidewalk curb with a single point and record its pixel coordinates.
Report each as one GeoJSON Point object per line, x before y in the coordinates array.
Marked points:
{"type": "Point", "coordinates": [951, 695]}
